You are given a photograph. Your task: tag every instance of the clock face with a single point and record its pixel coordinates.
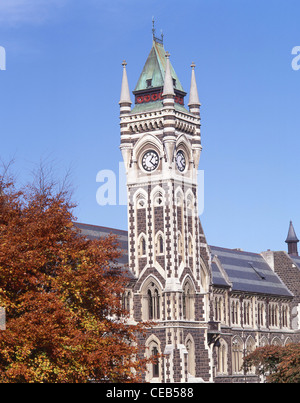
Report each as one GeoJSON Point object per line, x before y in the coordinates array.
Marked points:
{"type": "Point", "coordinates": [180, 161]}
{"type": "Point", "coordinates": [150, 160]}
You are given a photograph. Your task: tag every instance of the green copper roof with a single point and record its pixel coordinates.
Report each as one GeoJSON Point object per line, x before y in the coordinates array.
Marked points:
{"type": "Point", "coordinates": [154, 70]}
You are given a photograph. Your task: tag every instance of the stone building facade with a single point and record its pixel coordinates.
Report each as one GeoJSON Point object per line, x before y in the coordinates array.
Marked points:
{"type": "Point", "coordinates": [211, 305]}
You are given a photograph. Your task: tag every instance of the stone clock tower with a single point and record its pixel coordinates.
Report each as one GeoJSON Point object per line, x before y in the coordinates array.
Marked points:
{"type": "Point", "coordinates": [167, 250]}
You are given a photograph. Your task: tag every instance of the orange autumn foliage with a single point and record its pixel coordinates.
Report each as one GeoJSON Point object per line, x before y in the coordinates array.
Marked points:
{"type": "Point", "coordinates": [279, 364]}
{"type": "Point", "coordinates": [61, 292]}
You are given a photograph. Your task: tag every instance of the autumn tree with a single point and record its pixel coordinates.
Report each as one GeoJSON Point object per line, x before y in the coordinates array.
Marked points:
{"type": "Point", "coordinates": [277, 363]}
{"type": "Point", "coordinates": [61, 292]}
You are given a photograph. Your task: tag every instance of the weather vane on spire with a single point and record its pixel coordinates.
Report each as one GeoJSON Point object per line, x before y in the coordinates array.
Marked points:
{"type": "Point", "coordinates": [155, 39]}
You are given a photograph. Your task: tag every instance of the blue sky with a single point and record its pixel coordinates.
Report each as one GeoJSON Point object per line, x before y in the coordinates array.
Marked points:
{"type": "Point", "coordinates": [60, 91]}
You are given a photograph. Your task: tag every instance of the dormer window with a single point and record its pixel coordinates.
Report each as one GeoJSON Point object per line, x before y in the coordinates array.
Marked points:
{"type": "Point", "coordinates": [174, 82]}
{"type": "Point", "coordinates": [149, 83]}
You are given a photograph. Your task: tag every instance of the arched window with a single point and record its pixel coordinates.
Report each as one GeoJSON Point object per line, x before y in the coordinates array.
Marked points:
{"type": "Point", "coordinates": [250, 347]}
{"type": "Point", "coordinates": [126, 301]}
{"type": "Point", "coordinates": [235, 312]}
{"type": "Point", "coordinates": [142, 249]}
{"type": "Point", "coordinates": [155, 364]}
{"type": "Point", "coordinates": [261, 314]}
{"type": "Point", "coordinates": [273, 315]}
{"type": "Point", "coordinates": [188, 301]}
{"type": "Point", "coordinates": [247, 313]}
{"type": "Point", "coordinates": [159, 244]}
{"type": "Point", "coordinates": [153, 349]}
{"type": "Point", "coordinates": [180, 245]}
{"type": "Point", "coordinates": [219, 308]}
{"type": "Point", "coordinates": [190, 346]}
{"type": "Point", "coordinates": [222, 357]}
{"type": "Point", "coordinates": [276, 341]}
{"type": "Point", "coordinates": [153, 299]}
{"type": "Point", "coordinates": [263, 342]}
{"type": "Point", "coordinates": [204, 278]}
{"type": "Point", "coordinates": [190, 204]}
{"type": "Point", "coordinates": [237, 355]}
{"type": "Point", "coordinates": [190, 246]}
{"type": "Point", "coordinates": [285, 316]}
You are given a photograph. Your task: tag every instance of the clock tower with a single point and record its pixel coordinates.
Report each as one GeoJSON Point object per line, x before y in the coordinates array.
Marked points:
{"type": "Point", "coordinates": [167, 250]}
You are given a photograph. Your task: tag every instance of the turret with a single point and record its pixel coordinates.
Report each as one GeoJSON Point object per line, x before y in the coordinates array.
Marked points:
{"type": "Point", "coordinates": [292, 241]}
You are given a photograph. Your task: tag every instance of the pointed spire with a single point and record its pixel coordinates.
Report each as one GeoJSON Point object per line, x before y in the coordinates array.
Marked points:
{"type": "Point", "coordinates": [125, 94]}
{"type": "Point", "coordinates": [168, 83]}
{"type": "Point", "coordinates": [194, 97]}
{"type": "Point", "coordinates": [292, 241]}
{"type": "Point", "coordinates": [292, 237]}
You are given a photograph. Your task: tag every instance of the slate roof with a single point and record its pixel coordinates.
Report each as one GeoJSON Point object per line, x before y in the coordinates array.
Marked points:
{"type": "Point", "coordinates": [218, 278]}
{"type": "Point", "coordinates": [242, 271]}
{"type": "Point", "coordinates": [96, 232]}
{"type": "Point", "coordinates": [155, 68]}
{"type": "Point", "coordinates": [247, 272]}
{"type": "Point", "coordinates": [296, 260]}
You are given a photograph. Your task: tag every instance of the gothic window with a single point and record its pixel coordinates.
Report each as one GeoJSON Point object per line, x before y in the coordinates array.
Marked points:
{"type": "Point", "coordinates": [190, 202]}
{"type": "Point", "coordinates": [154, 368]}
{"type": "Point", "coordinates": [261, 314]}
{"type": "Point", "coordinates": [153, 302]}
{"type": "Point", "coordinates": [276, 342]}
{"type": "Point", "coordinates": [285, 316]}
{"type": "Point", "coordinates": [250, 347]}
{"type": "Point", "coordinates": [179, 208]}
{"type": "Point", "coordinates": [288, 341]}
{"type": "Point", "coordinates": [191, 356]}
{"type": "Point", "coordinates": [237, 355]}
{"type": "Point", "coordinates": [204, 278]}
{"type": "Point", "coordinates": [188, 301]}
{"type": "Point", "coordinates": [159, 244]}
{"type": "Point", "coordinates": [219, 309]}
{"type": "Point", "coordinates": [222, 357]}
{"type": "Point", "coordinates": [179, 199]}
{"type": "Point", "coordinates": [264, 342]}
{"type": "Point", "coordinates": [142, 246]}
{"type": "Point", "coordinates": [180, 245]}
{"type": "Point", "coordinates": [273, 315]}
{"type": "Point", "coordinates": [247, 313]}
{"type": "Point", "coordinates": [235, 312]}
{"type": "Point", "coordinates": [126, 301]}
{"type": "Point", "coordinates": [155, 364]}
{"type": "Point", "coordinates": [190, 246]}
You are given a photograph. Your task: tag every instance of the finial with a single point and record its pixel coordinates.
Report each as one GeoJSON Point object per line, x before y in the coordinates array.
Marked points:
{"type": "Point", "coordinates": [153, 28]}
{"type": "Point", "coordinates": [125, 94]}
{"type": "Point", "coordinates": [194, 102]}
{"type": "Point", "coordinates": [168, 82]}
{"type": "Point", "coordinates": [155, 39]}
